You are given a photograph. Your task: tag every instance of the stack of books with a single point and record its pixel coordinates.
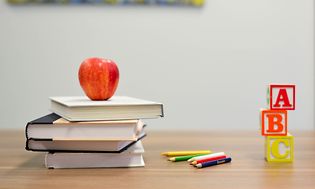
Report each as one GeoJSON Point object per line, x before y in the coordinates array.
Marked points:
{"type": "Point", "coordinates": [81, 133]}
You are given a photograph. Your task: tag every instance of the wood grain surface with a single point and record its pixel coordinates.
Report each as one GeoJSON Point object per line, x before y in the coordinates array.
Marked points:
{"type": "Point", "coordinates": [23, 169]}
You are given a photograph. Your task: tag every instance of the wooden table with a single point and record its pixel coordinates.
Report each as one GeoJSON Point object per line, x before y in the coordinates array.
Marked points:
{"type": "Point", "coordinates": [22, 169]}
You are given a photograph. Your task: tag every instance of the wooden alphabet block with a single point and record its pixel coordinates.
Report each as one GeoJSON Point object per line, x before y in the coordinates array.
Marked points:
{"type": "Point", "coordinates": [274, 122]}
{"type": "Point", "coordinates": [279, 148]}
{"type": "Point", "coordinates": [281, 97]}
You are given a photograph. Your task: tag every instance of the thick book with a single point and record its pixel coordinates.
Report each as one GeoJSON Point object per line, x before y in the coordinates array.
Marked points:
{"type": "Point", "coordinates": [81, 108]}
{"type": "Point", "coordinates": [129, 158]}
{"type": "Point", "coordinates": [56, 128]}
{"type": "Point", "coordinates": [92, 146]}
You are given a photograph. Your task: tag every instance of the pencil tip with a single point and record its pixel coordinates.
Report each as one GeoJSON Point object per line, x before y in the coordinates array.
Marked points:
{"type": "Point", "coordinates": [171, 159]}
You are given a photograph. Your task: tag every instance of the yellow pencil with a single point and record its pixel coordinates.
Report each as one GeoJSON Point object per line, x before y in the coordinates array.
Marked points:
{"type": "Point", "coordinates": [186, 153]}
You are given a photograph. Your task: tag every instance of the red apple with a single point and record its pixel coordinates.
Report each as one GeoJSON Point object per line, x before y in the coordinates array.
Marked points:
{"type": "Point", "coordinates": [98, 78]}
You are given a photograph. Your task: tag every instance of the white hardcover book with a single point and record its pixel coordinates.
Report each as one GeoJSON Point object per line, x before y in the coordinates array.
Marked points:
{"type": "Point", "coordinates": [81, 108]}
{"type": "Point", "coordinates": [80, 145]}
{"type": "Point", "coordinates": [129, 158]}
{"type": "Point", "coordinates": [54, 127]}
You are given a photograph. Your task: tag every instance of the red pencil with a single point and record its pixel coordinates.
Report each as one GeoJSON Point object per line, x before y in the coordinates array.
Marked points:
{"type": "Point", "coordinates": [208, 159]}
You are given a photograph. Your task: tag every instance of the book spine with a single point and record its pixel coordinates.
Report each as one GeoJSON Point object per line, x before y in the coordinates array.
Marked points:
{"type": "Point", "coordinates": [26, 136]}
{"type": "Point", "coordinates": [162, 110]}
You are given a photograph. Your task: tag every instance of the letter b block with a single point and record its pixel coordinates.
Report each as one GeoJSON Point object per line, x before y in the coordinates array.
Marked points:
{"type": "Point", "coordinates": [279, 148]}
{"type": "Point", "coordinates": [274, 122]}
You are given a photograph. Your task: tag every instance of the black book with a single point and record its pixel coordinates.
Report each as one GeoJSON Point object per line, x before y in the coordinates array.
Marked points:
{"type": "Point", "coordinates": [53, 133]}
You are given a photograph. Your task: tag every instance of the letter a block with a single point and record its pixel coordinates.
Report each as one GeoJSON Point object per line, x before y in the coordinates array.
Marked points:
{"type": "Point", "coordinates": [281, 97]}
{"type": "Point", "coordinates": [279, 148]}
{"type": "Point", "coordinates": [274, 123]}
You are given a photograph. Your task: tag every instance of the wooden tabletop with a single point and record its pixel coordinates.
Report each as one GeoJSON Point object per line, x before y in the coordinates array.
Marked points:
{"type": "Point", "coordinates": [23, 169]}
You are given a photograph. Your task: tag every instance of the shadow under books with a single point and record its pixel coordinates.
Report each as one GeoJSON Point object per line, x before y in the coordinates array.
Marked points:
{"type": "Point", "coordinates": [36, 161]}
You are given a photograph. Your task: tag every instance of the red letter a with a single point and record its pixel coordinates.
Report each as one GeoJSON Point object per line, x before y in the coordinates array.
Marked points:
{"type": "Point", "coordinates": [282, 97]}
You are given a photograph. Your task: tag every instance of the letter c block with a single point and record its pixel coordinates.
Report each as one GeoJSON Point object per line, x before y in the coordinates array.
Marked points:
{"type": "Point", "coordinates": [279, 148]}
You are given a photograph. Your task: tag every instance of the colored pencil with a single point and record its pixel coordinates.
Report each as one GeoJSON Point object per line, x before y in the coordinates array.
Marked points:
{"type": "Point", "coordinates": [212, 163]}
{"type": "Point", "coordinates": [186, 153]}
{"type": "Point", "coordinates": [208, 159]}
{"type": "Point", "coordinates": [206, 156]}
{"type": "Point", "coordinates": [183, 158]}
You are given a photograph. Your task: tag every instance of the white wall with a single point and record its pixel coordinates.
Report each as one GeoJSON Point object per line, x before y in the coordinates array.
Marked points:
{"type": "Point", "coordinates": [209, 66]}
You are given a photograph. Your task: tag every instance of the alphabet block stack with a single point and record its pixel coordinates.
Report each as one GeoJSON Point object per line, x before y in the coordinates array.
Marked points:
{"type": "Point", "coordinates": [279, 144]}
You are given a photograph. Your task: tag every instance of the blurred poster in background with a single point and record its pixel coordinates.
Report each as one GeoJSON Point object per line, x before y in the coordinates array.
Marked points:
{"type": "Point", "coordinates": [197, 3]}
